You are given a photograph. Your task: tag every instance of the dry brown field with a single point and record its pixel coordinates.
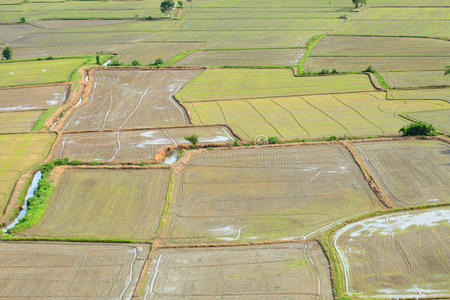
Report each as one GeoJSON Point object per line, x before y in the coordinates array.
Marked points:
{"type": "Point", "coordinates": [410, 172]}
{"type": "Point", "coordinates": [275, 193]}
{"type": "Point", "coordinates": [104, 203]}
{"type": "Point", "coordinates": [133, 145]}
{"type": "Point", "coordinates": [29, 98]}
{"type": "Point", "coordinates": [402, 255]}
{"type": "Point", "coordinates": [132, 99]}
{"type": "Point", "coordinates": [275, 271]}
{"type": "Point", "coordinates": [70, 270]}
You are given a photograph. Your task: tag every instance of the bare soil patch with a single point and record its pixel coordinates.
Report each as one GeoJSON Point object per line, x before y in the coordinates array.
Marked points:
{"type": "Point", "coordinates": [30, 98]}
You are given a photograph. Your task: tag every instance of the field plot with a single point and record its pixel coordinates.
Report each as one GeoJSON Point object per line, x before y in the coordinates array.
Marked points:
{"type": "Point", "coordinates": [236, 38]}
{"type": "Point", "coordinates": [102, 203]}
{"type": "Point", "coordinates": [410, 172]}
{"type": "Point", "coordinates": [398, 80]}
{"type": "Point", "coordinates": [425, 94]}
{"type": "Point", "coordinates": [402, 255]}
{"type": "Point", "coordinates": [132, 99]}
{"type": "Point", "coordinates": [218, 84]}
{"type": "Point", "coordinates": [249, 272]}
{"type": "Point", "coordinates": [316, 64]}
{"type": "Point", "coordinates": [20, 121]}
{"type": "Point", "coordinates": [29, 98]}
{"type": "Point", "coordinates": [405, 13]}
{"type": "Point", "coordinates": [440, 118]}
{"type": "Point", "coordinates": [148, 52]}
{"type": "Point", "coordinates": [364, 45]}
{"type": "Point", "coordinates": [134, 145]}
{"type": "Point", "coordinates": [18, 153]}
{"type": "Point", "coordinates": [53, 270]}
{"type": "Point", "coordinates": [268, 57]}
{"type": "Point", "coordinates": [36, 72]}
{"type": "Point", "coordinates": [432, 28]}
{"type": "Point", "coordinates": [11, 32]}
{"type": "Point", "coordinates": [265, 194]}
{"type": "Point", "coordinates": [353, 114]}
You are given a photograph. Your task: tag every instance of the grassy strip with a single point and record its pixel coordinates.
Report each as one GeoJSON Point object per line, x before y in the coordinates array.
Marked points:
{"type": "Point", "coordinates": [39, 125]}
{"type": "Point", "coordinates": [168, 202]}
{"type": "Point", "coordinates": [179, 57]}
{"type": "Point", "coordinates": [257, 67]}
{"type": "Point", "coordinates": [381, 80]}
{"type": "Point", "coordinates": [336, 266]}
{"type": "Point", "coordinates": [311, 43]}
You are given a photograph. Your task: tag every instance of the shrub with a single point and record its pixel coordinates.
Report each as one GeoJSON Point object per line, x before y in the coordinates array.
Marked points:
{"type": "Point", "coordinates": [324, 72]}
{"type": "Point", "coordinates": [420, 128]}
{"type": "Point", "coordinates": [148, 18]}
{"type": "Point", "coordinates": [370, 69]}
{"type": "Point", "coordinates": [22, 20]}
{"type": "Point", "coordinates": [114, 62]}
{"type": "Point", "coordinates": [193, 139]}
{"type": "Point", "coordinates": [236, 143]}
{"type": "Point", "coordinates": [135, 63]}
{"type": "Point", "coordinates": [158, 61]}
{"type": "Point", "coordinates": [7, 52]}
{"type": "Point", "coordinates": [273, 140]}
{"type": "Point", "coordinates": [330, 138]}
{"type": "Point", "coordinates": [97, 59]}
{"type": "Point", "coordinates": [334, 71]}
{"type": "Point", "coordinates": [49, 58]}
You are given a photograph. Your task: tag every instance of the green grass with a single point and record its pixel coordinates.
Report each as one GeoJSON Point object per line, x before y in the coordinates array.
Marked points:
{"type": "Point", "coordinates": [221, 84]}
{"type": "Point", "coordinates": [311, 43]}
{"type": "Point", "coordinates": [38, 72]}
{"type": "Point", "coordinates": [167, 205]}
{"type": "Point", "coordinates": [39, 125]}
{"type": "Point", "coordinates": [381, 80]}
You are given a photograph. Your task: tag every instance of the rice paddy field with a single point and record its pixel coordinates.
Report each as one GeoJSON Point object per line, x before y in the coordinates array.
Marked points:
{"type": "Point", "coordinates": [261, 159]}
{"type": "Point", "coordinates": [132, 99]}
{"type": "Point", "coordinates": [36, 72]}
{"type": "Point", "coordinates": [307, 117]}
{"type": "Point", "coordinates": [396, 255]}
{"type": "Point", "coordinates": [266, 194]}
{"type": "Point", "coordinates": [18, 154]}
{"type": "Point", "coordinates": [235, 84]}
{"type": "Point", "coordinates": [70, 270]}
{"type": "Point", "coordinates": [134, 195]}
{"type": "Point", "coordinates": [133, 145]}
{"type": "Point", "coordinates": [397, 165]}
{"type": "Point", "coordinates": [256, 272]}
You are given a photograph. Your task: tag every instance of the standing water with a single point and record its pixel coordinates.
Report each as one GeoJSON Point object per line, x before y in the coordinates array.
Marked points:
{"type": "Point", "coordinates": [171, 158]}
{"type": "Point", "coordinates": [30, 193]}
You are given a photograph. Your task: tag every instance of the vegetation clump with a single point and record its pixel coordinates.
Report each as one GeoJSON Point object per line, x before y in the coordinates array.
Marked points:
{"type": "Point", "coordinates": [193, 139]}
{"type": "Point", "coordinates": [166, 7]}
{"type": "Point", "coordinates": [7, 52]}
{"type": "Point", "coordinates": [419, 128]}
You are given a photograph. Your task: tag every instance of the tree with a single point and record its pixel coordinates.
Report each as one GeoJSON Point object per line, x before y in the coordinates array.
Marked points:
{"type": "Point", "coordinates": [166, 7]}
{"type": "Point", "coordinates": [190, 2]}
{"type": "Point", "coordinates": [193, 139]}
{"type": "Point", "coordinates": [180, 4]}
{"type": "Point", "coordinates": [419, 128]}
{"type": "Point", "coordinates": [22, 20]}
{"type": "Point", "coordinates": [359, 2]}
{"type": "Point", "coordinates": [97, 59]}
{"type": "Point", "coordinates": [135, 63]}
{"type": "Point", "coordinates": [7, 52]}
{"type": "Point", "coordinates": [158, 61]}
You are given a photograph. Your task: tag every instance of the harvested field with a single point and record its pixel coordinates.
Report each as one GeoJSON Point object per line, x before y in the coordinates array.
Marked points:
{"type": "Point", "coordinates": [234, 84]}
{"type": "Point", "coordinates": [439, 118]}
{"type": "Point", "coordinates": [316, 64]}
{"type": "Point", "coordinates": [19, 153]}
{"type": "Point", "coordinates": [268, 57]}
{"type": "Point", "coordinates": [236, 38]}
{"type": "Point", "coordinates": [53, 270]}
{"type": "Point", "coordinates": [11, 32]}
{"type": "Point", "coordinates": [29, 98]}
{"type": "Point", "coordinates": [59, 24]}
{"type": "Point", "coordinates": [404, 13]}
{"type": "Point", "coordinates": [425, 94]}
{"type": "Point", "coordinates": [248, 272]}
{"type": "Point", "coordinates": [18, 121]}
{"type": "Point", "coordinates": [401, 255]}
{"type": "Point", "coordinates": [134, 145]}
{"type": "Point", "coordinates": [146, 53]}
{"type": "Point", "coordinates": [132, 99]}
{"type": "Point", "coordinates": [104, 203]}
{"type": "Point", "coordinates": [410, 172]}
{"type": "Point", "coordinates": [398, 80]}
{"type": "Point", "coordinates": [431, 28]}
{"type": "Point", "coordinates": [353, 114]}
{"type": "Point", "coordinates": [265, 194]}
{"type": "Point", "coordinates": [37, 72]}
{"type": "Point", "coordinates": [379, 46]}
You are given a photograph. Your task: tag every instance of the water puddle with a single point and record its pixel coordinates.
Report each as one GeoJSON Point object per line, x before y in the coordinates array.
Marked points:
{"type": "Point", "coordinates": [30, 193]}
{"type": "Point", "coordinates": [171, 158]}
{"type": "Point", "coordinates": [107, 63]}
{"type": "Point", "coordinates": [86, 78]}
